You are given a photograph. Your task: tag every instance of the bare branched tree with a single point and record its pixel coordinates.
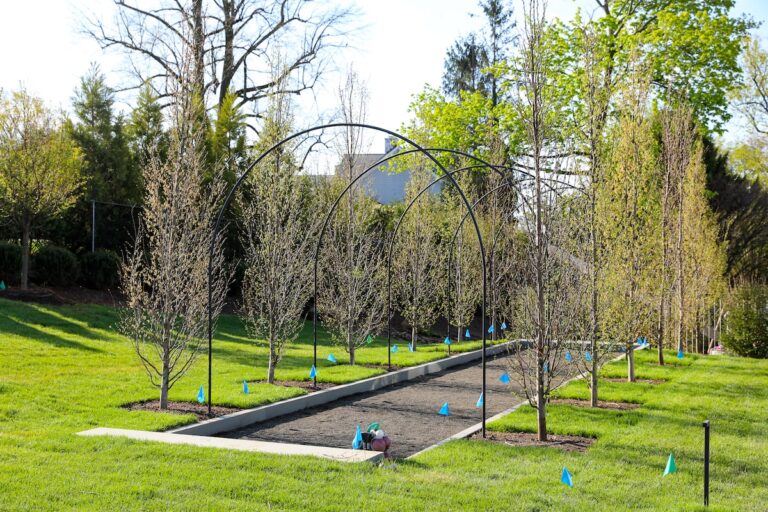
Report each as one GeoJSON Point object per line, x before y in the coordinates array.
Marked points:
{"type": "Point", "coordinates": [278, 221]}
{"type": "Point", "coordinates": [165, 277]}
{"type": "Point", "coordinates": [231, 41]}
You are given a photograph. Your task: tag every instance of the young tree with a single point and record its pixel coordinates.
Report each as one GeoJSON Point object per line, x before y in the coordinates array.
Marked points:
{"type": "Point", "coordinates": [40, 168]}
{"type": "Point", "coordinates": [417, 262]}
{"type": "Point", "coordinates": [277, 216]}
{"type": "Point", "coordinates": [165, 277]}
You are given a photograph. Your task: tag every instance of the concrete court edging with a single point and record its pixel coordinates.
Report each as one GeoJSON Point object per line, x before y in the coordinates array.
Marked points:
{"type": "Point", "coordinates": [325, 452]}
{"type": "Point", "coordinates": [477, 427]}
{"type": "Point", "coordinates": [246, 417]}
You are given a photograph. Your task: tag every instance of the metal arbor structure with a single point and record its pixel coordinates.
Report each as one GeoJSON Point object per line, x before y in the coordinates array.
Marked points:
{"type": "Point", "coordinates": [416, 148]}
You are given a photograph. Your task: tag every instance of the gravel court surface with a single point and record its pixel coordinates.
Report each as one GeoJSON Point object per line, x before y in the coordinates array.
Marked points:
{"type": "Point", "coordinates": [407, 412]}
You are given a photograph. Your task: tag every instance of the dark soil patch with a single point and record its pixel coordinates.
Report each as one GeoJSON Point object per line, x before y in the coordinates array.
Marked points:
{"type": "Point", "coordinates": [384, 367]}
{"type": "Point", "coordinates": [199, 410]}
{"type": "Point", "coordinates": [618, 406]}
{"type": "Point", "coordinates": [62, 296]}
{"type": "Point", "coordinates": [303, 384]}
{"type": "Point", "coordinates": [525, 439]}
{"type": "Point", "coordinates": [639, 381]}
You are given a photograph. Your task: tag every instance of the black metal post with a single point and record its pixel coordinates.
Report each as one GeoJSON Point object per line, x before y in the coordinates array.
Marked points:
{"type": "Point", "coordinates": [706, 463]}
{"type": "Point", "coordinates": [93, 225]}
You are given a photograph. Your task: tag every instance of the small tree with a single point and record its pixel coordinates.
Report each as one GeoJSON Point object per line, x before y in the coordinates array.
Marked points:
{"type": "Point", "coordinates": [746, 326]}
{"type": "Point", "coordinates": [417, 261]}
{"type": "Point", "coordinates": [40, 168]}
{"type": "Point", "coordinates": [165, 277]}
{"type": "Point", "coordinates": [278, 226]}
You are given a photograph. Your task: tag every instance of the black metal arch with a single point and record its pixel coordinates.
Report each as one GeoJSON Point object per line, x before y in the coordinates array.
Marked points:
{"type": "Point", "coordinates": [249, 169]}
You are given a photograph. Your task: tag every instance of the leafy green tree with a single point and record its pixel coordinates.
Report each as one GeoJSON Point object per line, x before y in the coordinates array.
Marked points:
{"type": "Point", "coordinates": [40, 168]}
{"type": "Point", "coordinates": [145, 127]}
{"type": "Point", "coordinates": [746, 327]}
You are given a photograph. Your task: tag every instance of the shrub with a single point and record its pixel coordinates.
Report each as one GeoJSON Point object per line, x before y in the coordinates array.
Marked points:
{"type": "Point", "coordinates": [100, 270]}
{"type": "Point", "coordinates": [10, 262]}
{"type": "Point", "coordinates": [55, 266]}
{"type": "Point", "coordinates": [746, 327]}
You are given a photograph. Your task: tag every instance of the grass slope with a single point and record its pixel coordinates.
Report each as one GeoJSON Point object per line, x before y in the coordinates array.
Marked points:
{"type": "Point", "coordinates": [63, 370]}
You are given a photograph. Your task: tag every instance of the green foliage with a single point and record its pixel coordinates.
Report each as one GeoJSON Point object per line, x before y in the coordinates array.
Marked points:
{"type": "Point", "coordinates": [746, 326]}
{"type": "Point", "coordinates": [10, 262]}
{"type": "Point", "coordinates": [100, 270]}
{"type": "Point", "coordinates": [145, 128]}
{"type": "Point", "coordinates": [55, 266]}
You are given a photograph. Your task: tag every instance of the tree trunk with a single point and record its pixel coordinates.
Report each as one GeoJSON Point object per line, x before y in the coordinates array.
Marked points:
{"type": "Point", "coordinates": [164, 386]}
{"type": "Point", "coordinates": [541, 407]}
{"type": "Point", "coordinates": [413, 337]}
{"type": "Point", "coordinates": [26, 247]}
{"type": "Point", "coordinates": [593, 381]}
{"type": "Point", "coordinates": [631, 363]}
{"type": "Point", "coordinates": [661, 330]}
{"type": "Point", "coordinates": [272, 362]}
{"type": "Point", "coordinates": [352, 355]}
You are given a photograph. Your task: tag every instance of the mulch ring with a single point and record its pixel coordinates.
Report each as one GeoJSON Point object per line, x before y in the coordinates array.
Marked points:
{"type": "Point", "coordinates": [525, 440]}
{"type": "Point", "coordinates": [639, 381]}
{"type": "Point", "coordinates": [618, 406]}
{"type": "Point", "coordinates": [199, 410]}
{"type": "Point", "coordinates": [309, 385]}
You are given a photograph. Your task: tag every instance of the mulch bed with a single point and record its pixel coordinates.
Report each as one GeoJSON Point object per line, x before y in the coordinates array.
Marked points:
{"type": "Point", "coordinates": [525, 439]}
{"type": "Point", "coordinates": [199, 410]}
{"type": "Point", "coordinates": [618, 406]}
{"type": "Point", "coordinates": [639, 381]}
{"type": "Point", "coordinates": [303, 384]}
{"type": "Point", "coordinates": [383, 367]}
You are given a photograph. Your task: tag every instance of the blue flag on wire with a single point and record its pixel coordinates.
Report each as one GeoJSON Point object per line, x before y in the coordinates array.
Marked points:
{"type": "Point", "coordinates": [503, 325]}
{"type": "Point", "coordinates": [568, 356]}
{"type": "Point", "coordinates": [444, 410]}
{"type": "Point", "coordinates": [394, 348]}
{"type": "Point", "coordinates": [679, 354]}
{"type": "Point", "coordinates": [201, 394]}
{"type": "Point", "coordinates": [245, 387]}
{"type": "Point", "coordinates": [466, 334]}
{"type": "Point", "coordinates": [546, 366]}
{"type": "Point", "coordinates": [480, 401]}
{"type": "Point", "coordinates": [313, 372]}
{"type": "Point", "coordinates": [410, 347]}
{"type": "Point", "coordinates": [566, 477]}
{"type": "Point", "coordinates": [490, 329]}
{"type": "Point", "coordinates": [587, 356]}
{"type": "Point", "coordinates": [504, 378]}
{"type": "Point", "coordinates": [332, 358]}
{"type": "Point", "coordinates": [357, 442]}
{"type": "Point", "coordinates": [447, 340]}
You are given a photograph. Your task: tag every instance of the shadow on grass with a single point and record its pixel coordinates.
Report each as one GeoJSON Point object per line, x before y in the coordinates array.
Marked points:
{"type": "Point", "coordinates": [13, 325]}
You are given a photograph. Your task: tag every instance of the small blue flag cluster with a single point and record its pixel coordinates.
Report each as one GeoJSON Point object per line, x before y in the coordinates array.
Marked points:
{"type": "Point", "coordinates": [201, 394]}
{"type": "Point", "coordinates": [568, 356]}
{"type": "Point", "coordinates": [503, 325]}
{"type": "Point", "coordinates": [490, 329]}
{"type": "Point", "coordinates": [466, 334]}
{"type": "Point", "coordinates": [332, 358]}
{"type": "Point", "coordinates": [444, 410]}
{"type": "Point", "coordinates": [410, 347]}
{"type": "Point", "coordinates": [480, 401]}
{"type": "Point", "coordinates": [587, 356]}
{"type": "Point", "coordinates": [447, 340]}
{"type": "Point", "coordinates": [394, 348]}
{"type": "Point", "coordinates": [357, 442]}
{"type": "Point", "coordinates": [504, 378]}
{"type": "Point", "coordinates": [679, 354]}
{"type": "Point", "coordinates": [245, 387]}
{"type": "Point", "coordinates": [313, 372]}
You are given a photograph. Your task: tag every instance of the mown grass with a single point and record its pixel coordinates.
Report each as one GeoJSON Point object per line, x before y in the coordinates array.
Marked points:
{"type": "Point", "coordinates": [63, 370]}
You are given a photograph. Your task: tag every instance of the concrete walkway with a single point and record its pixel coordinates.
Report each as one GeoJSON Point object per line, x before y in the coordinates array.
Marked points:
{"type": "Point", "coordinates": [407, 412]}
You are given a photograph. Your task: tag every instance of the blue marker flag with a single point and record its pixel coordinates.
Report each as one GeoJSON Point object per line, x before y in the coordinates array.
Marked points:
{"type": "Point", "coordinates": [503, 325]}
{"type": "Point", "coordinates": [447, 340]}
{"type": "Point", "coordinates": [566, 477]}
{"type": "Point", "coordinates": [2, 285]}
{"type": "Point", "coordinates": [357, 442]}
{"type": "Point", "coordinates": [679, 354]}
{"type": "Point", "coordinates": [466, 334]}
{"type": "Point", "coordinates": [394, 348]}
{"type": "Point", "coordinates": [671, 466]}
{"type": "Point", "coordinates": [587, 356]}
{"type": "Point", "coordinates": [410, 347]}
{"type": "Point", "coordinates": [331, 358]}
{"type": "Point", "coordinates": [504, 378]}
{"type": "Point", "coordinates": [480, 401]}
{"type": "Point", "coordinates": [546, 366]}
{"type": "Point", "coordinates": [568, 356]}
{"type": "Point", "coordinates": [490, 329]}
{"type": "Point", "coordinates": [201, 394]}
{"type": "Point", "coordinates": [313, 372]}
{"type": "Point", "coordinates": [444, 410]}
{"type": "Point", "coordinates": [245, 387]}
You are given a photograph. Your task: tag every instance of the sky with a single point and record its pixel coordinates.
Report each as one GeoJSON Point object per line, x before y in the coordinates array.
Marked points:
{"type": "Point", "coordinates": [399, 49]}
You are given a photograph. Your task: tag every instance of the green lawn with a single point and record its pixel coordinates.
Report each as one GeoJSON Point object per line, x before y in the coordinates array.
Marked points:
{"type": "Point", "coordinates": [63, 369]}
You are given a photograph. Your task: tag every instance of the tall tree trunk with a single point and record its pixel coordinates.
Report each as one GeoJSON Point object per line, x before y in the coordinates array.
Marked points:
{"type": "Point", "coordinates": [680, 276]}
{"type": "Point", "coordinates": [541, 406]}
{"type": "Point", "coordinates": [272, 361]}
{"type": "Point", "coordinates": [413, 337]}
{"type": "Point", "coordinates": [26, 248]}
{"type": "Point", "coordinates": [352, 354]}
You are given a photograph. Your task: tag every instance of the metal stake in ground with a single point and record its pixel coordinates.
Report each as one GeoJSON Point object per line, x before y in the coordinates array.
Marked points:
{"type": "Point", "coordinates": [706, 463]}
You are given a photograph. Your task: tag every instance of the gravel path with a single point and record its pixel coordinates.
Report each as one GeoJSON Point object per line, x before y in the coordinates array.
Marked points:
{"type": "Point", "coordinates": [407, 412]}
